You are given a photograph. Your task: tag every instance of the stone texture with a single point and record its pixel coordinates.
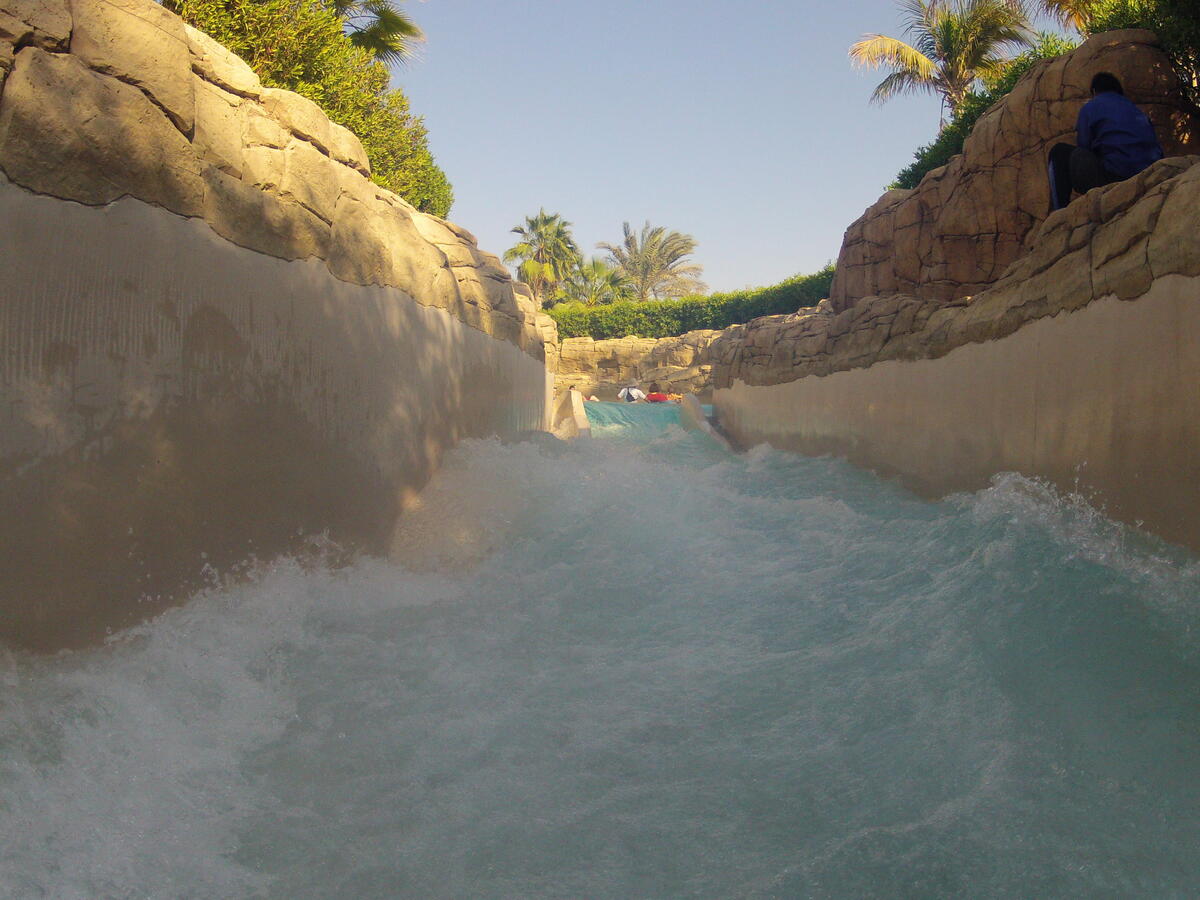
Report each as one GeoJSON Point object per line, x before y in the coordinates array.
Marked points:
{"type": "Point", "coordinates": [378, 244]}
{"type": "Point", "coordinates": [299, 115]}
{"type": "Point", "coordinates": [216, 64]}
{"type": "Point", "coordinates": [38, 23]}
{"type": "Point", "coordinates": [141, 43]}
{"type": "Point", "coordinates": [346, 148]}
{"type": "Point", "coordinates": [261, 221]}
{"type": "Point", "coordinates": [174, 402]}
{"type": "Point", "coordinates": [960, 229]}
{"type": "Point", "coordinates": [68, 131]}
{"type": "Point", "coordinates": [220, 128]}
{"type": "Point", "coordinates": [263, 131]}
{"type": "Point", "coordinates": [1118, 241]}
{"type": "Point", "coordinates": [310, 178]}
{"type": "Point", "coordinates": [679, 364]}
{"type": "Point", "coordinates": [264, 168]}
{"type": "Point", "coordinates": [229, 339]}
{"type": "Point", "coordinates": [1175, 246]}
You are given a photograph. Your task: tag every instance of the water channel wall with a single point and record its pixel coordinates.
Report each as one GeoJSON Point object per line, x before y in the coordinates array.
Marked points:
{"type": "Point", "coordinates": [970, 333]}
{"type": "Point", "coordinates": [570, 417]}
{"type": "Point", "coordinates": [218, 338]}
{"type": "Point", "coordinates": [1080, 366]}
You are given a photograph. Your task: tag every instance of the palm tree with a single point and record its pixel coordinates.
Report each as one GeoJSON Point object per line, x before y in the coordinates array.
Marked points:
{"type": "Point", "coordinates": [1075, 13]}
{"type": "Point", "coordinates": [954, 43]}
{"type": "Point", "coordinates": [546, 254]}
{"type": "Point", "coordinates": [379, 27]}
{"type": "Point", "coordinates": [655, 262]}
{"type": "Point", "coordinates": [595, 282]}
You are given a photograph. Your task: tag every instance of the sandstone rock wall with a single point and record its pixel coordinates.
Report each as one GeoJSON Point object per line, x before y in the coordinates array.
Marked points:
{"type": "Point", "coordinates": [678, 364]}
{"type": "Point", "coordinates": [956, 232]}
{"type": "Point", "coordinates": [1117, 240]}
{"type": "Point", "coordinates": [218, 338]}
{"type": "Point", "coordinates": [1080, 365]}
{"type": "Point", "coordinates": [104, 99]}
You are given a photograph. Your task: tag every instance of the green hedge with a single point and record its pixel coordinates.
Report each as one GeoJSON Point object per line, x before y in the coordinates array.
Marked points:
{"type": "Point", "coordinates": [667, 318]}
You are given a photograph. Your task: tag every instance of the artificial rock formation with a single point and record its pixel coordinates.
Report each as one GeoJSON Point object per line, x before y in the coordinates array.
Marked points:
{"type": "Point", "coordinates": [678, 364]}
{"type": "Point", "coordinates": [966, 222]}
{"type": "Point", "coordinates": [104, 99]}
{"type": "Point", "coordinates": [969, 333]}
{"type": "Point", "coordinates": [1115, 241]}
{"type": "Point", "coordinates": [218, 337]}
{"type": "Point", "coordinates": [1079, 367]}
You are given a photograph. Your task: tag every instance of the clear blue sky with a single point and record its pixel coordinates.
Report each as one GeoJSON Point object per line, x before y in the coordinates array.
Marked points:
{"type": "Point", "coordinates": [742, 124]}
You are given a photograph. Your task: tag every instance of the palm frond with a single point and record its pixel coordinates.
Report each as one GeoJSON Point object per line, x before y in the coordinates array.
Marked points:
{"type": "Point", "coordinates": [876, 50]}
{"type": "Point", "coordinates": [380, 27]}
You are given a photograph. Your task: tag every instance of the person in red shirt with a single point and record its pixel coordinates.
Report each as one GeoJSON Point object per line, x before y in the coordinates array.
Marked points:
{"type": "Point", "coordinates": [656, 395]}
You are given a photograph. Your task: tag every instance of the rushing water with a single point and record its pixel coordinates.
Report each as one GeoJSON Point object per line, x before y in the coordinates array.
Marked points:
{"type": "Point", "coordinates": [638, 667]}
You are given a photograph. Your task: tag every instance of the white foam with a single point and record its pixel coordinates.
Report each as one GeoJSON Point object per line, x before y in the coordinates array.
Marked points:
{"type": "Point", "coordinates": [635, 668]}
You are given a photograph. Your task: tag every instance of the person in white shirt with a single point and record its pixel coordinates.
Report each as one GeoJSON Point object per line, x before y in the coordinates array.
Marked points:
{"type": "Point", "coordinates": [630, 394]}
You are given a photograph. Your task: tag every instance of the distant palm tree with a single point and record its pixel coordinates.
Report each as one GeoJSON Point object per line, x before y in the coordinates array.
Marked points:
{"type": "Point", "coordinates": [546, 254]}
{"type": "Point", "coordinates": [379, 27]}
{"type": "Point", "coordinates": [595, 282]}
{"type": "Point", "coordinates": [656, 262]}
{"type": "Point", "coordinates": [955, 42]}
{"type": "Point", "coordinates": [1075, 13]}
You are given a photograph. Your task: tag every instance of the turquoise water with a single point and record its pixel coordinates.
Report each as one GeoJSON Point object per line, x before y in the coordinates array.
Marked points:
{"type": "Point", "coordinates": [639, 667]}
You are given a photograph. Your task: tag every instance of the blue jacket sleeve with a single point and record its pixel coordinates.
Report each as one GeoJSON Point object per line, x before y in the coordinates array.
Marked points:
{"type": "Point", "coordinates": [1083, 128]}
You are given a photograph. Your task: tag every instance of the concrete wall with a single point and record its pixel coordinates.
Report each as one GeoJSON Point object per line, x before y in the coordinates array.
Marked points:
{"type": "Point", "coordinates": [170, 401]}
{"type": "Point", "coordinates": [1104, 399]}
{"type": "Point", "coordinates": [218, 336]}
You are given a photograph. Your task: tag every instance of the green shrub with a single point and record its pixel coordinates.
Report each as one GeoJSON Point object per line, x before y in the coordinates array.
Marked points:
{"type": "Point", "coordinates": [950, 139]}
{"type": "Point", "coordinates": [1176, 22]}
{"type": "Point", "coordinates": [300, 45]}
{"type": "Point", "coordinates": [667, 318]}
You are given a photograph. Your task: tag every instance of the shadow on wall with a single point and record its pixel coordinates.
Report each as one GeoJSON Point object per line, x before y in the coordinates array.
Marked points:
{"type": "Point", "coordinates": [177, 405]}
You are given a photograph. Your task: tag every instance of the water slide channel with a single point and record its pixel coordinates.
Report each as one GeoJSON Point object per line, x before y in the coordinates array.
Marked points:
{"type": "Point", "coordinates": [638, 667]}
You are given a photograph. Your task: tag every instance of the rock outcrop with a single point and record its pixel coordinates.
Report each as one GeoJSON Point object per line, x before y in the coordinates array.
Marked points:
{"type": "Point", "coordinates": [957, 232]}
{"type": "Point", "coordinates": [1062, 347]}
{"type": "Point", "coordinates": [1115, 241]}
{"type": "Point", "coordinates": [219, 339]}
{"type": "Point", "coordinates": [678, 364]}
{"type": "Point", "coordinates": [103, 99]}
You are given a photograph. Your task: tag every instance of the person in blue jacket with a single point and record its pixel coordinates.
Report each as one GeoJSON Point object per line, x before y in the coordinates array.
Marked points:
{"type": "Point", "coordinates": [1115, 141]}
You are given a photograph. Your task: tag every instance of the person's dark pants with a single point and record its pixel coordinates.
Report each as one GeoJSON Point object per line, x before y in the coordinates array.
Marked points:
{"type": "Point", "coordinates": [1075, 169]}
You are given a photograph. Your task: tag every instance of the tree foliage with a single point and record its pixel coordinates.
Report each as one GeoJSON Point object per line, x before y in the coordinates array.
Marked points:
{"type": "Point", "coordinates": [301, 46]}
{"type": "Point", "coordinates": [1176, 22]}
{"type": "Point", "coordinates": [594, 283]}
{"type": "Point", "coordinates": [546, 253]}
{"type": "Point", "coordinates": [667, 318]}
{"type": "Point", "coordinates": [655, 262]}
{"type": "Point", "coordinates": [379, 27]}
{"type": "Point", "coordinates": [954, 43]}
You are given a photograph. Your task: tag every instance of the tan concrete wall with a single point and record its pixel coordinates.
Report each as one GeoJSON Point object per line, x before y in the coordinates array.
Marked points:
{"type": "Point", "coordinates": [1104, 399]}
{"type": "Point", "coordinates": [170, 400]}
